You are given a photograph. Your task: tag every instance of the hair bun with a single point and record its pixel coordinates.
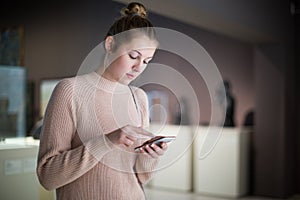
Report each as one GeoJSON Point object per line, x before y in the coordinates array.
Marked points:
{"type": "Point", "coordinates": [134, 8]}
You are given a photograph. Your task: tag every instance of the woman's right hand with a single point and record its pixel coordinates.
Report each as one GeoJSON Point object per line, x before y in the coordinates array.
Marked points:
{"type": "Point", "coordinates": [127, 135]}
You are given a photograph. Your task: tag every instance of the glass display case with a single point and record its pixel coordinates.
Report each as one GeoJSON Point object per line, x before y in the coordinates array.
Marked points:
{"type": "Point", "coordinates": [12, 101]}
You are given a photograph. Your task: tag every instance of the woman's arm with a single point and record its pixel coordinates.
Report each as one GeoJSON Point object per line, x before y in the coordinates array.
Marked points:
{"type": "Point", "coordinates": [59, 164]}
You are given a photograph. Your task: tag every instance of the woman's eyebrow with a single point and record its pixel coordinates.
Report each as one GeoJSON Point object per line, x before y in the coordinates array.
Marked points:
{"type": "Point", "coordinates": [138, 52]}
{"type": "Point", "coordinates": [142, 54]}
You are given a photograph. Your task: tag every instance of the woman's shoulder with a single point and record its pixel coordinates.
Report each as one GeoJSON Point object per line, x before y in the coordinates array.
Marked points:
{"type": "Point", "coordinates": [139, 92]}
{"type": "Point", "coordinates": [63, 89]}
{"type": "Point", "coordinates": [71, 82]}
{"type": "Point", "coordinates": [65, 84]}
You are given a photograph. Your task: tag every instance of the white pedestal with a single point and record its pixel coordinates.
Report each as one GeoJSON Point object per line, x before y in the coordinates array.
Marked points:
{"type": "Point", "coordinates": [18, 179]}
{"type": "Point", "coordinates": [175, 165]}
{"type": "Point", "coordinates": [224, 171]}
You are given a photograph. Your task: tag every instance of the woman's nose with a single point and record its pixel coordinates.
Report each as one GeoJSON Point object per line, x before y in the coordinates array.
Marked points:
{"type": "Point", "coordinates": [137, 66]}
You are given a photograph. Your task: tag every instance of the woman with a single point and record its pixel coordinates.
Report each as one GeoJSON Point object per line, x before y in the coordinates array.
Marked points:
{"type": "Point", "coordinates": [94, 121]}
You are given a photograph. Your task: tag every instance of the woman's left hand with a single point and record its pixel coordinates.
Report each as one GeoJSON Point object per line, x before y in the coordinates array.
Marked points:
{"type": "Point", "coordinates": [154, 150]}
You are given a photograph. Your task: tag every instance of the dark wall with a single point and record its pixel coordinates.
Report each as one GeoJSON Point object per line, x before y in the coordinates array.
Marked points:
{"type": "Point", "coordinates": [276, 137]}
{"type": "Point", "coordinates": [59, 35]}
{"type": "Point", "coordinates": [275, 131]}
{"type": "Point", "coordinates": [297, 61]}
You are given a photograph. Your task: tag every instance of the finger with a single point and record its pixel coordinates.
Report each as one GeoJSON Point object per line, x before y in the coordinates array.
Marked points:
{"type": "Point", "coordinates": [130, 137]}
{"type": "Point", "coordinates": [163, 146]}
{"type": "Point", "coordinates": [130, 132]}
{"type": "Point", "coordinates": [141, 150]}
{"type": "Point", "coordinates": [158, 150]}
{"type": "Point", "coordinates": [151, 152]}
{"type": "Point", "coordinates": [128, 142]}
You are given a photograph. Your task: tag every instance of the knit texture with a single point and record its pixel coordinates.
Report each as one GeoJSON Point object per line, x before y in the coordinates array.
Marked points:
{"type": "Point", "coordinates": [75, 156]}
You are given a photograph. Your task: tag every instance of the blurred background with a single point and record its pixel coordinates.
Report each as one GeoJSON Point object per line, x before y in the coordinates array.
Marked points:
{"type": "Point", "coordinates": [254, 43]}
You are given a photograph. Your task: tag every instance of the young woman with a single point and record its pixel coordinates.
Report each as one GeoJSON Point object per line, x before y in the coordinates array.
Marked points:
{"type": "Point", "coordinates": [94, 121]}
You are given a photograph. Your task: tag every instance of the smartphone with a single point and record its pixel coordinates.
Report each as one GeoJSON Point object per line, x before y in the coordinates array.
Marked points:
{"type": "Point", "coordinates": [156, 140]}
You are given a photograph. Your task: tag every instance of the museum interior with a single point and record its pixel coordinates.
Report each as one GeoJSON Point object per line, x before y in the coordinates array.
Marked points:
{"type": "Point", "coordinates": [227, 85]}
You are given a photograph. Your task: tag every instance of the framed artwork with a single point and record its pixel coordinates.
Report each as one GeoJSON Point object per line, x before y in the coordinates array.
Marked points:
{"type": "Point", "coordinates": [12, 46]}
{"type": "Point", "coordinates": [46, 88]}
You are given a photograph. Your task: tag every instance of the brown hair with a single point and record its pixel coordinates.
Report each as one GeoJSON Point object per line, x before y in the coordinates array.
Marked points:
{"type": "Point", "coordinates": [134, 16]}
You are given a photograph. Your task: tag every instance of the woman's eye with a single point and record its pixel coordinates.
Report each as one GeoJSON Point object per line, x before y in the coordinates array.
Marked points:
{"type": "Point", "coordinates": [133, 56]}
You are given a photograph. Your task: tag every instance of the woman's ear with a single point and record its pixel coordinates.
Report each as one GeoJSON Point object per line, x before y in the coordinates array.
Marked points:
{"type": "Point", "coordinates": [109, 43]}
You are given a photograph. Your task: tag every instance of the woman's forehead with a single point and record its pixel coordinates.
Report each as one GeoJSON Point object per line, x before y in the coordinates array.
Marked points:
{"type": "Point", "coordinates": [141, 42]}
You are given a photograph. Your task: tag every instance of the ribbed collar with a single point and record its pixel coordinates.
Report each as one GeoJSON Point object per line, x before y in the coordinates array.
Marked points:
{"type": "Point", "coordinates": [105, 84]}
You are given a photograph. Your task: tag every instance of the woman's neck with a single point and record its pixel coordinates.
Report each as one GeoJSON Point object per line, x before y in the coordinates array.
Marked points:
{"type": "Point", "coordinates": [106, 83]}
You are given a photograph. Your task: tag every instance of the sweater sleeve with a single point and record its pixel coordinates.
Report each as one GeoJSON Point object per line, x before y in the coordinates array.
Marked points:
{"type": "Point", "coordinates": [59, 164]}
{"type": "Point", "coordinates": [145, 165]}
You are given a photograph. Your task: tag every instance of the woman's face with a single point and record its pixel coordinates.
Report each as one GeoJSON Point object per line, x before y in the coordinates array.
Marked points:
{"type": "Point", "coordinates": [129, 60]}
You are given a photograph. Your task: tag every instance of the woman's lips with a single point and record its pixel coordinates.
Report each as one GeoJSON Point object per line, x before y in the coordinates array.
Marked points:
{"type": "Point", "coordinates": [130, 76]}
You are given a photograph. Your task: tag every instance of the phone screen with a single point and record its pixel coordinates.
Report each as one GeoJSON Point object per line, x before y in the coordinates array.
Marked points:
{"type": "Point", "coordinates": [157, 140]}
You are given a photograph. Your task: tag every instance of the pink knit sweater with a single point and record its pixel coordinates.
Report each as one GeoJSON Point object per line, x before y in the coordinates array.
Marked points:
{"type": "Point", "coordinates": [75, 156]}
